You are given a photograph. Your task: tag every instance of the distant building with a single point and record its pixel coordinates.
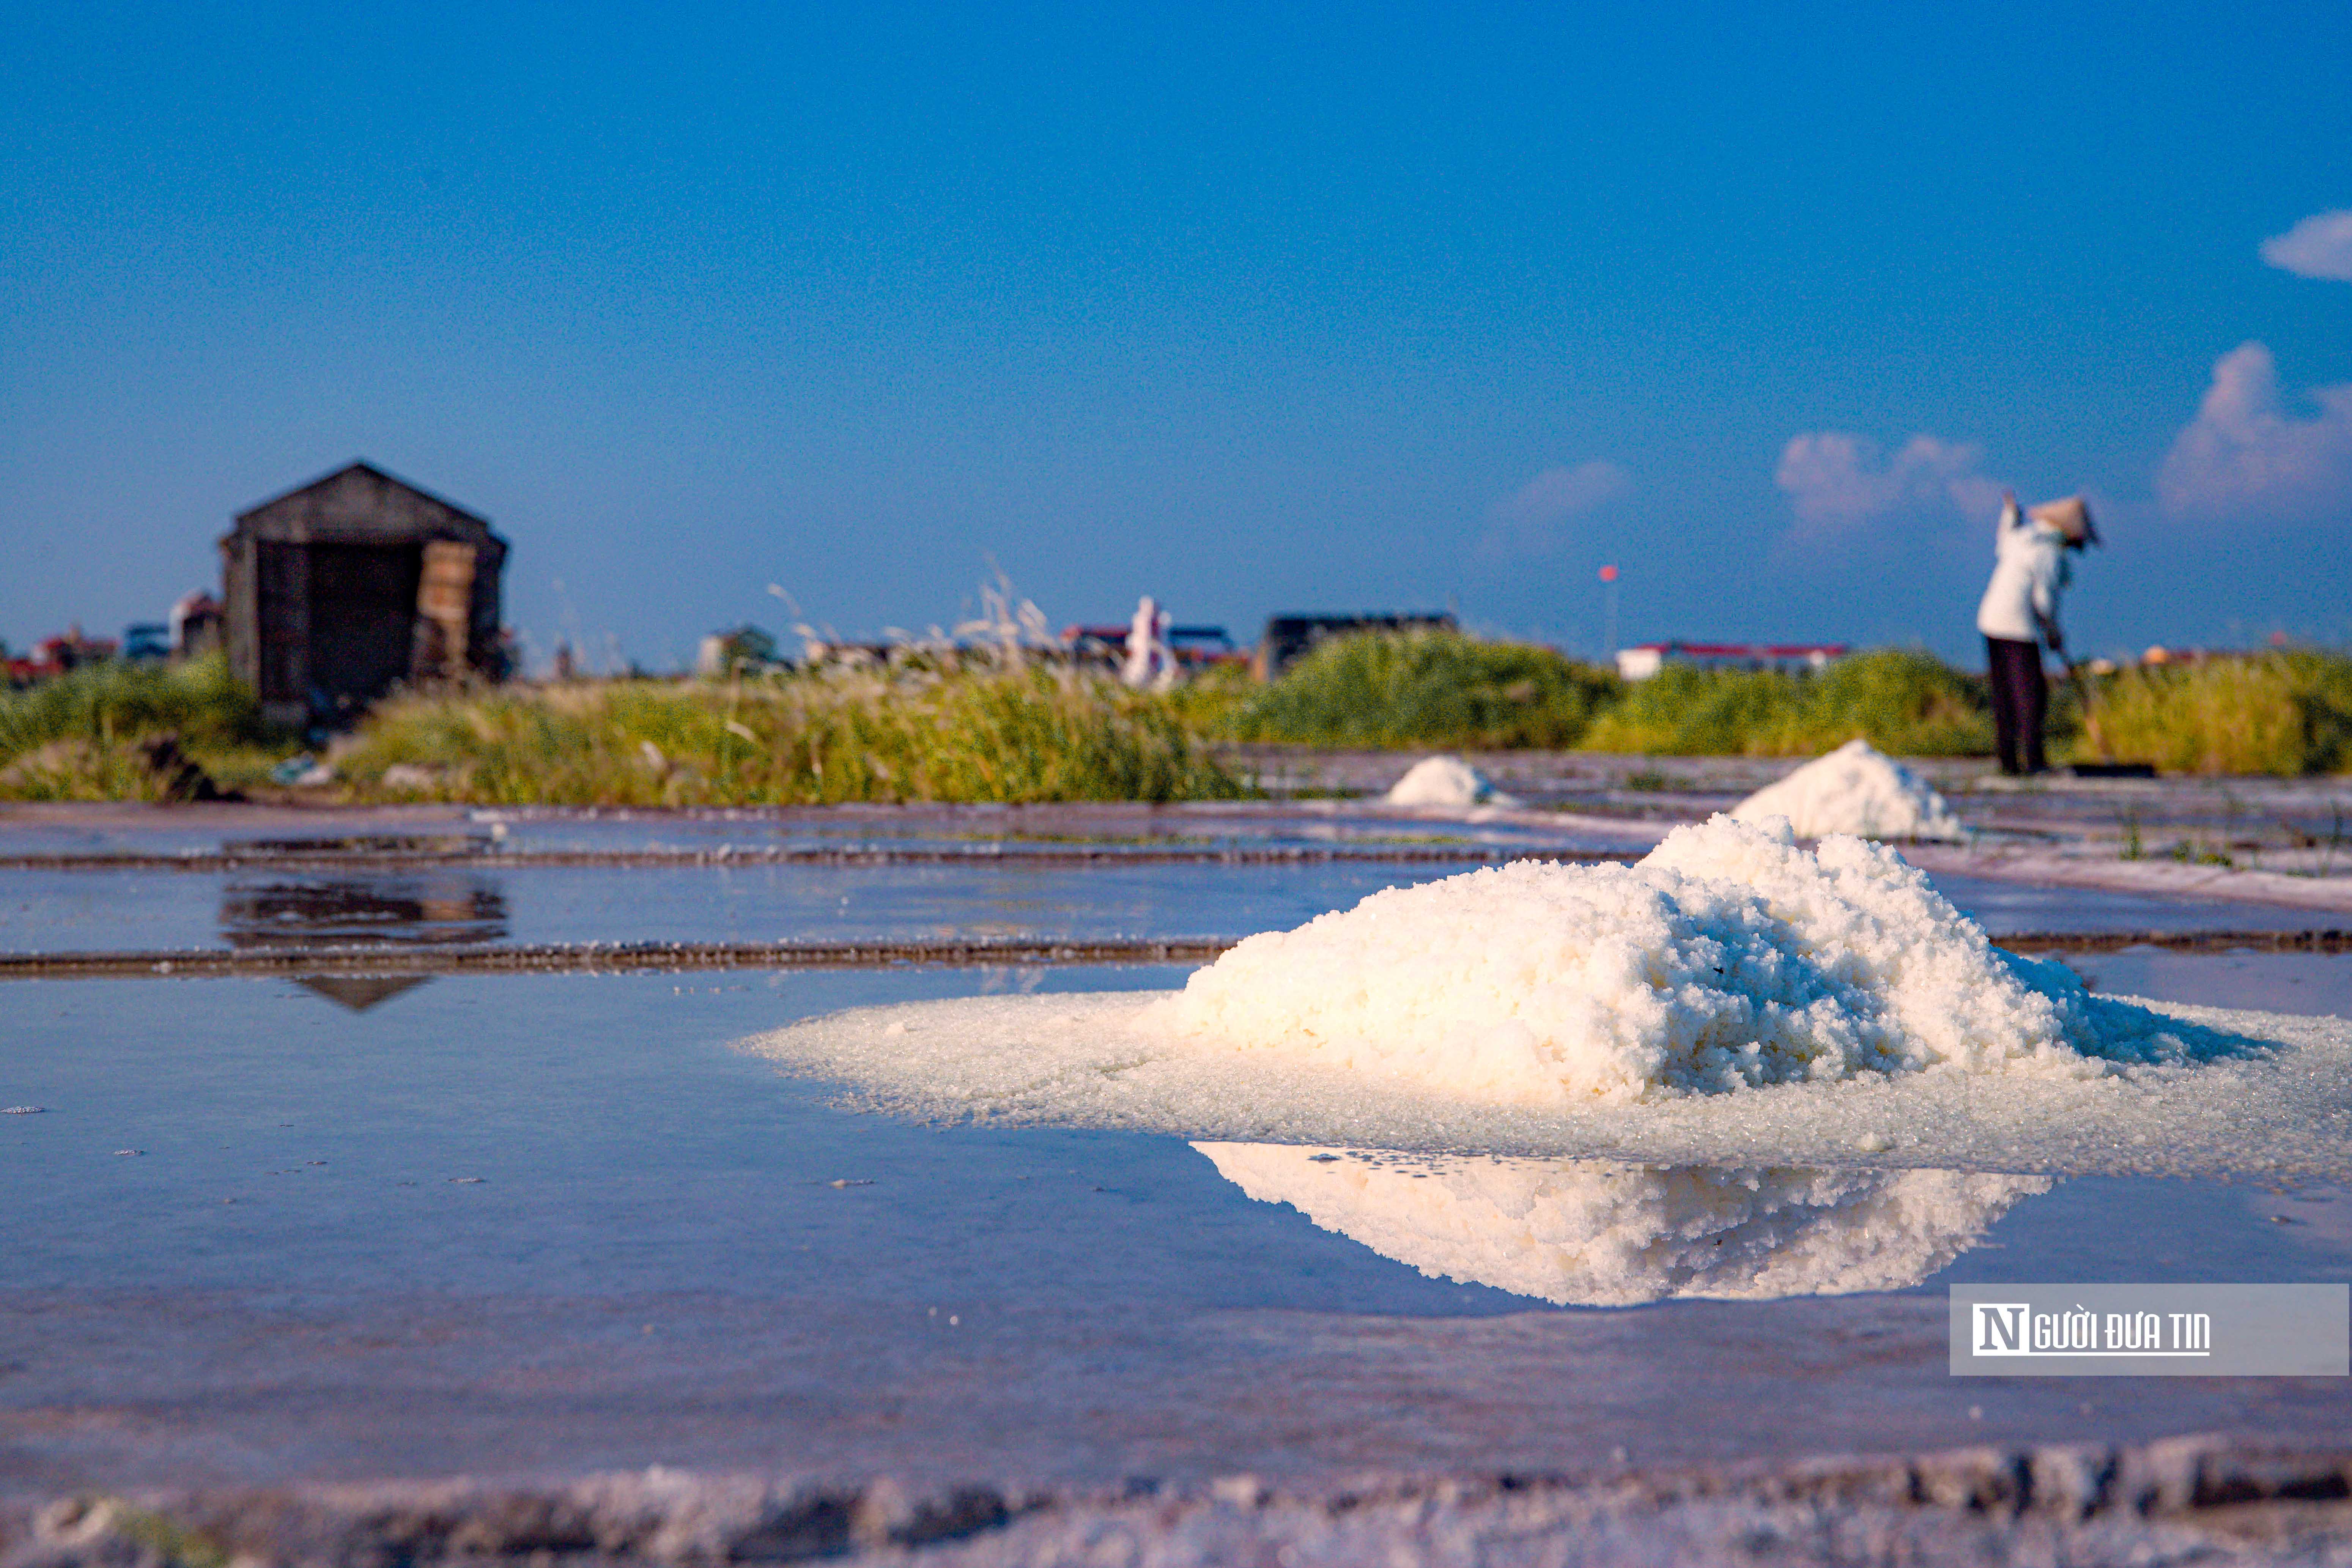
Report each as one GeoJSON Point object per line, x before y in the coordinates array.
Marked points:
{"type": "Point", "coordinates": [74, 650]}
{"type": "Point", "coordinates": [723, 653]}
{"type": "Point", "coordinates": [53, 656]}
{"type": "Point", "coordinates": [195, 625]}
{"type": "Point", "coordinates": [1646, 660]}
{"type": "Point", "coordinates": [1290, 637]}
{"type": "Point", "coordinates": [147, 642]}
{"type": "Point", "coordinates": [335, 592]}
{"type": "Point", "coordinates": [1192, 646]}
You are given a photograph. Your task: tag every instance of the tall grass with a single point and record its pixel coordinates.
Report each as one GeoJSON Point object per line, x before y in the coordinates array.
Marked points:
{"type": "Point", "coordinates": [114, 700]}
{"type": "Point", "coordinates": [75, 737]}
{"type": "Point", "coordinates": [1901, 700]}
{"type": "Point", "coordinates": [995, 727]}
{"type": "Point", "coordinates": [2282, 714]}
{"type": "Point", "coordinates": [1010, 734]}
{"type": "Point", "coordinates": [1441, 688]}
{"type": "Point", "coordinates": [1426, 689]}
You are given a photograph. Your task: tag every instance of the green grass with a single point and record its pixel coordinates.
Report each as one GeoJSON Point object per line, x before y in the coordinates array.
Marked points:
{"type": "Point", "coordinates": [1426, 689]}
{"type": "Point", "coordinates": [933, 730]}
{"type": "Point", "coordinates": [1905, 702]}
{"type": "Point", "coordinates": [1419, 690]}
{"type": "Point", "coordinates": [1018, 734]}
{"type": "Point", "coordinates": [1441, 689]}
{"type": "Point", "coordinates": [2284, 714]}
{"type": "Point", "coordinates": [103, 703]}
{"type": "Point", "coordinates": [75, 737]}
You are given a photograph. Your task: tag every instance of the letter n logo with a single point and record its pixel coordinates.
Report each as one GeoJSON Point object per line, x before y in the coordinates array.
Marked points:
{"type": "Point", "coordinates": [2000, 1328]}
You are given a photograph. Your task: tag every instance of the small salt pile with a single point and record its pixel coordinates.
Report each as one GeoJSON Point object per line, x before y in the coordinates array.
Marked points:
{"type": "Point", "coordinates": [1609, 1233]}
{"type": "Point", "coordinates": [1446, 781]}
{"type": "Point", "coordinates": [1855, 789]}
{"type": "Point", "coordinates": [1728, 958]}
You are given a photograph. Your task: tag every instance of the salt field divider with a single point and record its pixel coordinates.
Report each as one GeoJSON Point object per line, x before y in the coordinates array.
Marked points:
{"type": "Point", "coordinates": [667, 957]}
{"type": "Point", "coordinates": [727, 856]}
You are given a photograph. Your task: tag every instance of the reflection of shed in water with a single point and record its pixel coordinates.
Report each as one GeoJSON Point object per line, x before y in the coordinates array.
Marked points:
{"type": "Point", "coordinates": [432, 908]}
{"type": "Point", "coordinates": [425, 908]}
{"type": "Point", "coordinates": [360, 991]}
{"type": "Point", "coordinates": [354, 582]}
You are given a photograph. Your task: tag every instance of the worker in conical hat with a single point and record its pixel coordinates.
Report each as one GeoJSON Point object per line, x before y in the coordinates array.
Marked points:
{"type": "Point", "coordinates": [2070, 516]}
{"type": "Point", "coordinates": [2018, 613]}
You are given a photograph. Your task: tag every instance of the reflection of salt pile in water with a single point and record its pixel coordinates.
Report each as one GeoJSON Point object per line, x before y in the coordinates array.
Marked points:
{"type": "Point", "coordinates": [1446, 781]}
{"type": "Point", "coordinates": [1855, 789]}
{"type": "Point", "coordinates": [1728, 957]}
{"type": "Point", "coordinates": [1606, 1233]}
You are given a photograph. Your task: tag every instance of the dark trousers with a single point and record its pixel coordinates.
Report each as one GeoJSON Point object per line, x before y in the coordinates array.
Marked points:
{"type": "Point", "coordinates": [2020, 698]}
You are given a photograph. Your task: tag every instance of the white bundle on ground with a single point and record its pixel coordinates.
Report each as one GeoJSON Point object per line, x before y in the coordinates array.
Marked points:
{"type": "Point", "coordinates": [1446, 781]}
{"type": "Point", "coordinates": [1728, 957]}
{"type": "Point", "coordinates": [1854, 789]}
{"type": "Point", "coordinates": [1608, 1233]}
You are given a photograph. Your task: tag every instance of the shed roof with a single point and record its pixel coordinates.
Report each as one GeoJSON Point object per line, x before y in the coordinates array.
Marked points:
{"type": "Point", "coordinates": [360, 501]}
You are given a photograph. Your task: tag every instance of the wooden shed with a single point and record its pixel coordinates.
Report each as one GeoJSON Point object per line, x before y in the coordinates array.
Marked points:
{"type": "Point", "coordinates": [335, 592]}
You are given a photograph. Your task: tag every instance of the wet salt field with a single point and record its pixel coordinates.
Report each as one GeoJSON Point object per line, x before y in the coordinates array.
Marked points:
{"type": "Point", "coordinates": [250, 833]}
{"type": "Point", "coordinates": [311, 1226]}
{"type": "Point", "coordinates": [46, 911]}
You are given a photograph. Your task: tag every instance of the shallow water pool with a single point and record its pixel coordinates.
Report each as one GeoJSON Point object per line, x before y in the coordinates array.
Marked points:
{"type": "Point", "coordinates": [146, 909]}
{"type": "Point", "coordinates": [542, 1224]}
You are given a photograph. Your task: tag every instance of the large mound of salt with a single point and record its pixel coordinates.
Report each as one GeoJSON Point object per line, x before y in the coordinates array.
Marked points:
{"type": "Point", "coordinates": [1854, 789]}
{"type": "Point", "coordinates": [1728, 957]}
{"type": "Point", "coordinates": [1594, 1010]}
{"type": "Point", "coordinates": [1446, 781]}
{"type": "Point", "coordinates": [1607, 1234]}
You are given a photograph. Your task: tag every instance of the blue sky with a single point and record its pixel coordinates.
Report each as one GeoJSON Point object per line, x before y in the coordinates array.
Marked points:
{"type": "Point", "coordinates": [1256, 309]}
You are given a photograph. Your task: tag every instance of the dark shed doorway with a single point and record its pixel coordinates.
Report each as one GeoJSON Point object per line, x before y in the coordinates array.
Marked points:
{"type": "Point", "coordinates": [362, 619]}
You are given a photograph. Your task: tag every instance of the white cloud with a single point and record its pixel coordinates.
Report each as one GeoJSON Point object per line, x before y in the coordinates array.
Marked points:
{"type": "Point", "coordinates": [2244, 458]}
{"type": "Point", "coordinates": [1837, 481]}
{"type": "Point", "coordinates": [2318, 247]}
{"type": "Point", "coordinates": [1525, 520]}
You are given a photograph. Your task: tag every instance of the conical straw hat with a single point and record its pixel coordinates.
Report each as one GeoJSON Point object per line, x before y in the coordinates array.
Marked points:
{"type": "Point", "coordinates": [2070, 516]}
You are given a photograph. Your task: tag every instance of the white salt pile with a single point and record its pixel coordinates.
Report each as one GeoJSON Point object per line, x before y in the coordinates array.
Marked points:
{"type": "Point", "coordinates": [1728, 957]}
{"type": "Point", "coordinates": [1554, 1009]}
{"type": "Point", "coordinates": [1606, 1233]}
{"type": "Point", "coordinates": [1446, 781]}
{"type": "Point", "coordinates": [1854, 789]}
{"type": "Point", "coordinates": [2281, 1109]}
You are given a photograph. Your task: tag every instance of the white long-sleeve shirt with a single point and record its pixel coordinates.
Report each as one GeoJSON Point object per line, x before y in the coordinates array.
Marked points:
{"type": "Point", "coordinates": [2028, 571]}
